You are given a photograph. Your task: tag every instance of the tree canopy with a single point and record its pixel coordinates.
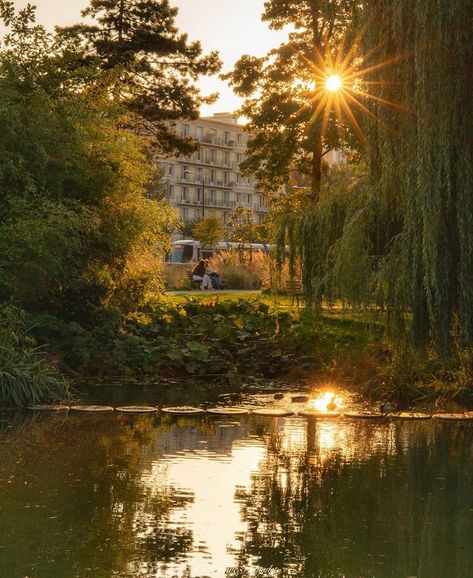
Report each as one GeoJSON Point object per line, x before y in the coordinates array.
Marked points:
{"type": "Point", "coordinates": [155, 65]}
{"type": "Point", "coordinates": [397, 231]}
{"type": "Point", "coordinates": [291, 116]}
{"type": "Point", "coordinates": [77, 226]}
{"type": "Point", "coordinates": [208, 231]}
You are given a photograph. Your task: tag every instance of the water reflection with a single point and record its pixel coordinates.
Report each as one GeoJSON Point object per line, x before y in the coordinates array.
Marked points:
{"type": "Point", "coordinates": [123, 496]}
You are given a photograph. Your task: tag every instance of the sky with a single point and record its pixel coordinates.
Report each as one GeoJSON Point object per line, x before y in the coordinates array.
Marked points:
{"type": "Point", "coordinates": [233, 27]}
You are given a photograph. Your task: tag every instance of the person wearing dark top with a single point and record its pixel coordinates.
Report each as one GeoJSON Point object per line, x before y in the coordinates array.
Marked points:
{"type": "Point", "coordinates": [199, 274]}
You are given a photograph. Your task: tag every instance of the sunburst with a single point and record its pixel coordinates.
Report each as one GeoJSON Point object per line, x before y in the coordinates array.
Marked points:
{"type": "Point", "coordinates": [340, 86]}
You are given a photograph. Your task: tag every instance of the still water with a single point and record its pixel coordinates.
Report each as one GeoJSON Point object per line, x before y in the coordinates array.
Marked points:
{"type": "Point", "coordinates": [119, 496]}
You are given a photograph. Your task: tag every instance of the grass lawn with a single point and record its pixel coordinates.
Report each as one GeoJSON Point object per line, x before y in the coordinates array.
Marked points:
{"type": "Point", "coordinates": [275, 301]}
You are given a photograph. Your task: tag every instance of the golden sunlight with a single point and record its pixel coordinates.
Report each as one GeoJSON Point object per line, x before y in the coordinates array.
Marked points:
{"type": "Point", "coordinates": [339, 95]}
{"type": "Point", "coordinates": [334, 83]}
{"type": "Point", "coordinates": [327, 401]}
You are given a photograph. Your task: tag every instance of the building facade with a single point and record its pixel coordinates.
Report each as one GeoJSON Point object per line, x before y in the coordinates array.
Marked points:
{"type": "Point", "coordinates": [209, 181]}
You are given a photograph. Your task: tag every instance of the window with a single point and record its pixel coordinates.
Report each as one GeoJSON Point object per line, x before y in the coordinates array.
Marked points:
{"type": "Point", "coordinates": [199, 131]}
{"type": "Point", "coordinates": [199, 195]}
{"type": "Point", "coordinates": [226, 159]}
{"type": "Point", "coordinates": [185, 174]}
{"type": "Point", "coordinates": [213, 197]}
{"type": "Point", "coordinates": [171, 191]}
{"type": "Point", "coordinates": [227, 137]}
{"type": "Point", "coordinates": [213, 177]}
{"type": "Point", "coordinates": [226, 200]}
{"type": "Point", "coordinates": [185, 130]}
{"type": "Point", "coordinates": [249, 199]}
{"type": "Point", "coordinates": [170, 169]}
{"type": "Point", "coordinates": [238, 198]}
{"type": "Point", "coordinates": [185, 194]}
{"type": "Point", "coordinates": [239, 158]}
{"type": "Point", "coordinates": [213, 155]}
{"type": "Point", "coordinates": [185, 213]}
{"type": "Point", "coordinates": [239, 138]}
{"type": "Point", "coordinates": [225, 218]}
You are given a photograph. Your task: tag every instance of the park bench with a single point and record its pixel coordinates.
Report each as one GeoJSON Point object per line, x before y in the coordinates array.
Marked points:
{"type": "Point", "coordinates": [294, 288]}
{"type": "Point", "coordinates": [195, 284]}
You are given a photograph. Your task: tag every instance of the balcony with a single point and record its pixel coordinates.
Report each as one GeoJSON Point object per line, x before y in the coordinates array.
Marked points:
{"type": "Point", "coordinates": [216, 203]}
{"type": "Point", "coordinates": [215, 141]}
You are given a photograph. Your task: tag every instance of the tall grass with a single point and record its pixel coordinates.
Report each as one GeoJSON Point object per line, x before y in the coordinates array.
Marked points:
{"type": "Point", "coordinates": [26, 376]}
{"type": "Point", "coordinates": [254, 274]}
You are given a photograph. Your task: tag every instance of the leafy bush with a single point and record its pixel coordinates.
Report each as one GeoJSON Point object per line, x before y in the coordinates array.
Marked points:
{"type": "Point", "coordinates": [26, 376]}
{"type": "Point", "coordinates": [205, 338]}
{"type": "Point", "coordinates": [175, 277]}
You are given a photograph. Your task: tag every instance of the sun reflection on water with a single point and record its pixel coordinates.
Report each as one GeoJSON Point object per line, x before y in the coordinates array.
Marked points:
{"type": "Point", "coordinates": [328, 401]}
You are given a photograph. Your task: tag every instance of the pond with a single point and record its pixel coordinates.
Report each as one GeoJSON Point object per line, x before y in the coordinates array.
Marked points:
{"type": "Point", "coordinates": [123, 496]}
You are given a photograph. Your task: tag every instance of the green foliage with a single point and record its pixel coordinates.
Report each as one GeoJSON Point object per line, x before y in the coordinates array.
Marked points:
{"type": "Point", "coordinates": [26, 376]}
{"type": "Point", "coordinates": [282, 93]}
{"type": "Point", "coordinates": [77, 226]}
{"type": "Point", "coordinates": [399, 236]}
{"type": "Point", "coordinates": [242, 227]}
{"type": "Point", "coordinates": [208, 231]}
{"type": "Point", "coordinates": [195, 338]}
{"type": "Point", "coordinates": [156, 66]}
{"type": "Point", "coordinates": [423, 168]}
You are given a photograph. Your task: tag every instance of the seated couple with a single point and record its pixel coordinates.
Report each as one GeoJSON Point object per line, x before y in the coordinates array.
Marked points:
{"type": "Point", "coordinates": [210, 279]}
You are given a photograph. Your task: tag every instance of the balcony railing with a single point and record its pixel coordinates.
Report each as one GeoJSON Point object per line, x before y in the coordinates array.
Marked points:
{"type": "Point", "coordinates": [215, 141]}
{"type": "Point", "coordinates": [194, 202]}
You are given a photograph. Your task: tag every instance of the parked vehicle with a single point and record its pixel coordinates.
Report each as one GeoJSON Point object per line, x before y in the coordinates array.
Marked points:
{"type": "Point", "coordinates": [190, 251]}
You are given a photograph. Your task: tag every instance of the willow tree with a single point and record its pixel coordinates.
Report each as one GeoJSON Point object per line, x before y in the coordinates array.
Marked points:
{"type": "Point", "coordinates": [424, 151]}
{"type": "Point", "coordinates": [287, 91]}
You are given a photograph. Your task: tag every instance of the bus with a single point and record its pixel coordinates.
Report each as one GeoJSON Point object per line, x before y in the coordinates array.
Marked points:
{"type": "Point", "coordinates": [190, 251]}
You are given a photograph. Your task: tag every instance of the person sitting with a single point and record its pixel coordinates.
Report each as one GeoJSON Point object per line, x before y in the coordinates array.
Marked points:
{"type": "Point", "coordinates": [214, 276]}
{"type": "Point", "coordinates": [199, 274]}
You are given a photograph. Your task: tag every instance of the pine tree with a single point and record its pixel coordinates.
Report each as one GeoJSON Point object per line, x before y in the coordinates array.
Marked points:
{"type": "Point", "coordinates": [156, 65]}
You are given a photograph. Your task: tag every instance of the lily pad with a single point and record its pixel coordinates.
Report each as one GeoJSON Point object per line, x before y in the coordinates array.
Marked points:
{"type": "Point", "coordinates": [272, 412]}
{"type": "Point", "coordinates": [454, 416]}
{"type": "Point", "coordinates": [183, 410]}
{"type": "Point", "coordinates": [364, 415]}
{"type": "Point", "coordinates": [92, 408]}
{"type": "Point", "coordinates": [411, 415]}
{"type": "Point", "coordinates": [299, 398]}
{"type": "Point", "coordinates": [46, 407]}
{"type": "Point", "coordinates": [136, 409]}
{"type": "Point", "coordinates": [319, 414]}
{"type": "Point", "coordinates": [227, 411]}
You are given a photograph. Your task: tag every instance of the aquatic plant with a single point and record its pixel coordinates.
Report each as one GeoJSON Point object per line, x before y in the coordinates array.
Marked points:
{"type": "Point", "coordinates": [26, 376]}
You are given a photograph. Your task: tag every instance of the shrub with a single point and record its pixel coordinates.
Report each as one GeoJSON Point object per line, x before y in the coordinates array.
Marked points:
{"type": "Point", "coordinates": [26, 376]}
{"type": "Point", "coordinates": [175, 277]}
{"type": "Point", "coordinates": [254, 274]}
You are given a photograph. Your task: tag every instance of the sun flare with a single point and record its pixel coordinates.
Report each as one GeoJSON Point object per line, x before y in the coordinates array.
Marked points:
{"type": "Point", "coordinates": [336, 86]}
{"type": "Point", "coordinates": [327, 401]}
{"type": "Point", "coordinates": [334, 82]}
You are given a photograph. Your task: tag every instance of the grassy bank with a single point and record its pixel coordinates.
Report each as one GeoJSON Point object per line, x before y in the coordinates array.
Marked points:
{"type": "Point", "coordinates": [230, 339]}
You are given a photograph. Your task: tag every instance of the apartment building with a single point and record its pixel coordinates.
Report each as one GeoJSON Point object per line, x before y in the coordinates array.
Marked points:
{"type": "Point", "coordinates": [209, 181]}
